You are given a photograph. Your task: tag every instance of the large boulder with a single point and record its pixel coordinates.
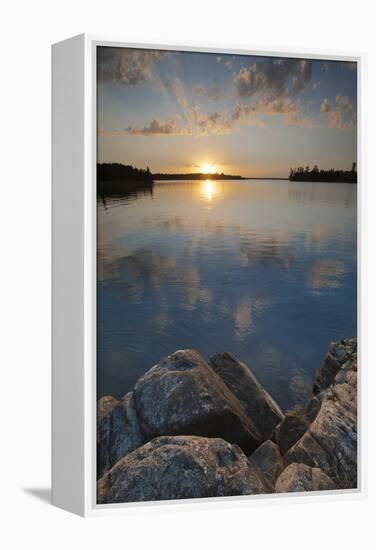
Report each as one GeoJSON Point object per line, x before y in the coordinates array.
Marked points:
{"type": "Point", "coordinates": [300, 477]}
{"type": "Point", "coordinates": [180, 467]}
{"type": "Point", "coordinates": [259, 405]}
{"type": "Point", "coordinates": [330, 443]}
{"type": "Point", "coordinates": [105, 407]}
{"type": "Point", "coordinates": [182, 395]}
{"type": "Point", "coordinates": [268, 460]}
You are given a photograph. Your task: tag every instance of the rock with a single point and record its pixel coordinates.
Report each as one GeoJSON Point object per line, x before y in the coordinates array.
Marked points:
{"type": "Point", "coordinates": [180, 467]}
{"type": "Point", "coordinates": [105, 407]}
{"type": "Point", "coordinates": [300, 477]}
{"type": "Point", "coordinates": [290, 430]}
{"type": "Point", "coordinates": [258, 404]}
{"type": "Point", "coordinates": [312, 408]}
{"type": "Point", "coordinates": [338, 354]}
{"type": "Point", "coordinates": [268, 460]}
{"type": "Point", "coordinates": [182, 395]}
{"type": "Point", "coordinates": [183, 432]}
{"type": "Point", "coordinates": [125, 435]}
{"type": "Point", "coordinates": [330, 443]}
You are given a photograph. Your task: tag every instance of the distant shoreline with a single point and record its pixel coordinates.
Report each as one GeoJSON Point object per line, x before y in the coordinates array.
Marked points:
{"type": "Point", "coordinates": [204, 177]}
{"type": "Point", "coordinates": [196, 176]}
{"type": "Point", "coordinates": [112, 177]}
{"type": "Point", "coordinates": [218, 178]}
{"type": "Point", "coordinates": [245, 178]}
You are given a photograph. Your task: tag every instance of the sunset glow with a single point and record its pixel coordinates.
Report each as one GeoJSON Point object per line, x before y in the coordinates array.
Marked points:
{"type": "Point", "coordinates": [178, 112]}
{"type": "Point", "coordinates": [207, 169]}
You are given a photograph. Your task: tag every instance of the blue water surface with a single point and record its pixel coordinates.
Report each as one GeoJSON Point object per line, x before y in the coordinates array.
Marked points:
{"type": "Point", "coordinates": [263, 269]}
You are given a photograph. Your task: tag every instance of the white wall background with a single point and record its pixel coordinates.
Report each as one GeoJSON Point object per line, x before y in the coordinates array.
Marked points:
{"type": "Point", "coordinates": [27, 30]}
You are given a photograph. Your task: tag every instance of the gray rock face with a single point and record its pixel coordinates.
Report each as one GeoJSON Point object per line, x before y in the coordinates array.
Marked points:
{"type": "Point", "coordinates": [268, 460]}
{"type": "Point", "coordinates": [290, 430]}
{"type": "Point", "coordinates": [259, 405]}
{"type": "Point", "coordinates": [118, 430]}
{"type": "Point", "coordinates": [330, 443]}
{"type": "Point", "coordinates": [182, 395]}
{"type": "Point", "coordinates": [125, 433]}
{"type": "Point", "coordinates": [180, 467]}
{"type": "Point", "coordinates": [105, 407]}
{"type": "Point", "coordinates": [300, 477]}
{"type": "Point", "coordinates": [338, 354]}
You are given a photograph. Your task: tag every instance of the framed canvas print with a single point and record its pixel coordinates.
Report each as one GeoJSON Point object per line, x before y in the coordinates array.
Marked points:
{"type": "Point", "coordinates": [205, 274]}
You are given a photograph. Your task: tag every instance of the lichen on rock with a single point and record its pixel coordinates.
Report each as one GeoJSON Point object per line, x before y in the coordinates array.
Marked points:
{"type": "Point", "coordinates": [179, 467]}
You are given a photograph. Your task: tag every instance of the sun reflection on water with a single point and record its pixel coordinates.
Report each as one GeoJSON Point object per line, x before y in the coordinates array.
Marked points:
{"type": "Point", "coordinates": [209, 189]}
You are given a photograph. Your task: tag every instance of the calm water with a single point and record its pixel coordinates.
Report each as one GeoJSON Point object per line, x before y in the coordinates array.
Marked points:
{"type": "Point", "coordinates": [266, 270]}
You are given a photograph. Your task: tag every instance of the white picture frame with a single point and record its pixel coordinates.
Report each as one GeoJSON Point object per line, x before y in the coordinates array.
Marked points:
{"type": "Point", "coordinates": [74, 276]}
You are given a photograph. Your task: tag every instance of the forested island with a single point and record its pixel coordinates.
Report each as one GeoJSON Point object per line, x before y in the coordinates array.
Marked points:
{"type": "Point", "coordinates": [315, 174]}
{"type": "Point", "coordinates": [115, 171]}
{"type": "Point", "coordinates": [119, 179]}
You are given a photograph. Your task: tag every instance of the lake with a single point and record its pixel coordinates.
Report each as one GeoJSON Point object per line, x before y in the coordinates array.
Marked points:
{"type": "Point", "coordinates": [263, 269]}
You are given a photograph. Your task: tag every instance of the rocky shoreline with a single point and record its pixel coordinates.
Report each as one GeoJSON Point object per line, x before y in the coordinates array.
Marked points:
{"type": "Point", "coordinates": [192, 428]}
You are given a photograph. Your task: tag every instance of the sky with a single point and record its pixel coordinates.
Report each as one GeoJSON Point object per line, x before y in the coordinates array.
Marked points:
{"type": "Point", "coordinates": [249, 115]}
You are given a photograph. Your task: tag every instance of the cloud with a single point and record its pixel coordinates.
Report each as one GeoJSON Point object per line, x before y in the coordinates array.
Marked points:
{"type": "Point", "coordinates": [295, 119]}
{"type": "Point", "coordinates": [131, 67]}
{"type": "Point", "coordinates": [194, 122]}
{"type": "Point", "coordinates": [217, 122]}
{"type": "Point", "coordinates": [274, 79]}
{"type": "Point", "coordinates": [336, 120]}
{"type": "Point", "coordinates": [248, 114]}
{"type": "Point", "coordinates": [325, 106]}
{"type": "Point", "coordinates": [338, 113]}
{"type": "Point", "coordinates": [177, 89]}
{"type": "Point", "coordinates": [127, 66]}
{"type": "Point", "coordinates": [245, 114]}
{"type": "Point", "coordinates": [263, 89]}
{"type": "Point", "coordinates": [342, 102]}
{"type": "Point", "coordinates": [213, 92]}
{"type": "Point", "coordinates": [222, 122]}
{"type": "Point", "coordinates": [278, 106]}
{"type": "Point", "coordinates": [158, 127]}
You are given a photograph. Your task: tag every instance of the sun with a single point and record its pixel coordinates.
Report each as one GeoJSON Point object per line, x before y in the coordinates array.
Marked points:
{"type": "Point", "coordinates": [207, 169]}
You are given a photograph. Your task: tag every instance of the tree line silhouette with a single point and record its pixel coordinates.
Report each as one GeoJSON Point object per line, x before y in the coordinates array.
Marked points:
{"type": "Point", "coordinates": [115, 171]}
{"type": "Point", "coordinates": [315, 174]}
